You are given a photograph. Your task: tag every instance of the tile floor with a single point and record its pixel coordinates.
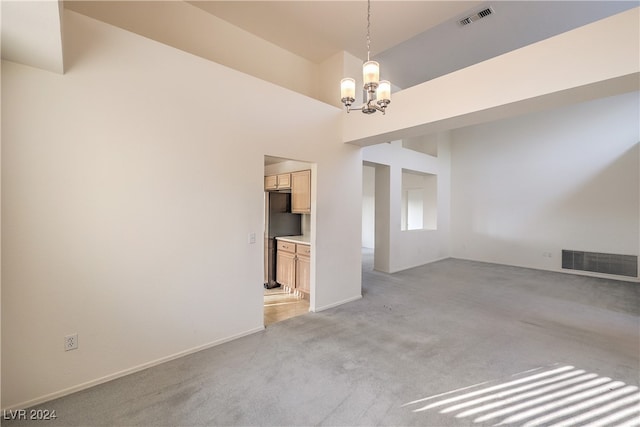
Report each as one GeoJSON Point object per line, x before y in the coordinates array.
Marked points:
{"type": "Point", "coordinates": [280, 305]}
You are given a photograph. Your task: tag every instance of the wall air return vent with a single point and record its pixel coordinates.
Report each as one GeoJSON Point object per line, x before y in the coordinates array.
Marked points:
{"type": "Point", "coordinates": [621, 265]}
{"type": "Point", "coordinates": [473, 18]}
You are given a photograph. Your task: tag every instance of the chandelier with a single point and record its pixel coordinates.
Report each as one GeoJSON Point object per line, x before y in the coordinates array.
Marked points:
{"type": "Point", "coordinates": [378, 92]}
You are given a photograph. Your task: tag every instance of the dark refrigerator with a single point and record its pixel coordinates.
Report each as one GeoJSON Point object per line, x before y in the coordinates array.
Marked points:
{"type": "Point", "coordinates": [279, 221]}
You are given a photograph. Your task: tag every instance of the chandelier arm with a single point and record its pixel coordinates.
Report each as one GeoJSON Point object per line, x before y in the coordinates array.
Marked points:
{"type": "Point", "coordinates": [372, 104]}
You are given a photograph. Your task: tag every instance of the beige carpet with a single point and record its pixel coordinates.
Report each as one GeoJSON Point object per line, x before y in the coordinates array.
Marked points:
{"type": "Point", "coordinates": [453, 343]}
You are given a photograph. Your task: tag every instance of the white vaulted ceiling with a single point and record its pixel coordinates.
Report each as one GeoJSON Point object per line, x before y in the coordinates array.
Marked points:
{"type": "Point", "coordinates": [318, 29]}
{"type": "Point", "coordinates": [414, 41]}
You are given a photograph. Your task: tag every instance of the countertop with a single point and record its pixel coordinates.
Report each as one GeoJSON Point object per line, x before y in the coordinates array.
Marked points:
{"type": "Point", "coordinates": [295, 239]}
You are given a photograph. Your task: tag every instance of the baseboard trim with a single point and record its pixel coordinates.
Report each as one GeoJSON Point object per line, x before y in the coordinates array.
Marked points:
{"type": "Point", "coordinates": [335, 304]}
{"type": "Point", "coordinates": [416, 266]}
{"type": "Point", "coordinates": [129, 371]}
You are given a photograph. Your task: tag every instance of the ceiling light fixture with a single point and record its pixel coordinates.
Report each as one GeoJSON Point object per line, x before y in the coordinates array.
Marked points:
{"type": "Point", "coordinates": [378, 92]}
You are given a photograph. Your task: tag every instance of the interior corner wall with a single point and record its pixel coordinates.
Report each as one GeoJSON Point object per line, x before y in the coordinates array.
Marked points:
{"type": "Point", "coordinates": [330, 72]}
{"type": "Point", "coordinates": [525, 188]}
{"type": "Point", "coordinates": [130, 185]}
{"type": "Point", "coordinates": [411, 248]}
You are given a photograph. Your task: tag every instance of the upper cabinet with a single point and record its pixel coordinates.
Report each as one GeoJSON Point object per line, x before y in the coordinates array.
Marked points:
{"type": "Point", "coordinates": [271, 182]}
{"type": "Point", "coordinates": [284, 181]}
{"type": "Point", "coordinates": [278, 182]}
{"type": "Point", "coordinates": [301, 192]}
{"type": "Point", "coordinates": [300, 185]}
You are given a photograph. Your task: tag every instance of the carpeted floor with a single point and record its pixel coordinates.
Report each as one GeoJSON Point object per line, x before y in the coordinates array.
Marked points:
{"type": "Point", "coordinates": [450, 343]}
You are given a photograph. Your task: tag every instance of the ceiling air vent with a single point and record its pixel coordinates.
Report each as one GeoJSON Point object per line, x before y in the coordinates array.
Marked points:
{"type": "Point", "coordinates": [473, 18]}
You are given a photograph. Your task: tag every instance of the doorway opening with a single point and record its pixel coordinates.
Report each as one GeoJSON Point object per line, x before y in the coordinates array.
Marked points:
{"type": "Point", "coordinates": [375, 216]}
{"type": "Point", "coordinates": [288, 245]}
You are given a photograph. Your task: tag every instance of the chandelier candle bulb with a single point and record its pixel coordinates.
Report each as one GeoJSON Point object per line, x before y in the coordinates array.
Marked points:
{"type": "Point", "coordinates": [384, 91]}
{"type": "Point", "coordinates": [371, 72]}
{"type": "Point", "coordinates": [348, 88]}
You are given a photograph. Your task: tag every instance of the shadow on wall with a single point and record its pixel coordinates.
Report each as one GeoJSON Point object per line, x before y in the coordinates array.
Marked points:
{"type": "Point", "coordinates": [75, 48]}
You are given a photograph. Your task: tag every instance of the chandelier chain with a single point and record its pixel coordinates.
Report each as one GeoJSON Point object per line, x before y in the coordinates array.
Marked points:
{"type": "Point", "coordinates": [368, 28]}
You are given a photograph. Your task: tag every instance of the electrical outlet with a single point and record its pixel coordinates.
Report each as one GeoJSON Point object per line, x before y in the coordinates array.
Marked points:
{"type": "Point", "coordinates": [71, 342]}
{"type": "Point", "coordinates": [252, 238]}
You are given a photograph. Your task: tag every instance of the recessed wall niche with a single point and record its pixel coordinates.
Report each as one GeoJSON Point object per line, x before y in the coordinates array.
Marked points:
{"type": "Point", "coordinates": [419, 206]}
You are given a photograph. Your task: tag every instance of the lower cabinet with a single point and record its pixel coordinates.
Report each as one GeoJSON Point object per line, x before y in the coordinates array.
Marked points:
{"type": "Point", "coordinates": [286, 264]}
{"type": "Point", "coordinates": [293, 266]}
{"type": "Point", "coordinates": [303, 274]}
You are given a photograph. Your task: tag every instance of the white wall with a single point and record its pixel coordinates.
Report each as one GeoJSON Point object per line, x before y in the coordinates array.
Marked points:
{"type": "Point", "coordinates": [368, 206]}
{"type": "Point", "coordinates": [130, 185]}
{"type": "Point", "coordinates": [382, 215]}
{"type": "Point", "coordinates": [562, 179]}
{"type": "Point", "coordinates": [395, 249]}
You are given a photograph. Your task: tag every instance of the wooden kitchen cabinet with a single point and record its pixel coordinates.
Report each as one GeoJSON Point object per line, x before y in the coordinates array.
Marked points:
{"type": "Point", "coordinates": [293, 266]}
{"type": "Point", "coordinates": [286, 246]}
{"type": "Point", "coordinates": [303, 268]}
{"type": "Point", "coordinates": [284, 181]}
{"type": "Point", "coordinates": [301, 192]}
{"type": "Point", "coordinates": [286, 264]}
{"type": "Point", "coordinates": [300, 185]}
{"type": "Point", "coordinates": [277, 182]}
{"type": "Point", "coordinates": [271, 182]}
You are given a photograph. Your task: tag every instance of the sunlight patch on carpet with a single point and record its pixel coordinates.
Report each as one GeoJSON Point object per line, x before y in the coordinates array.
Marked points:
{"type": "Point", "coordinates": [557, 395]}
